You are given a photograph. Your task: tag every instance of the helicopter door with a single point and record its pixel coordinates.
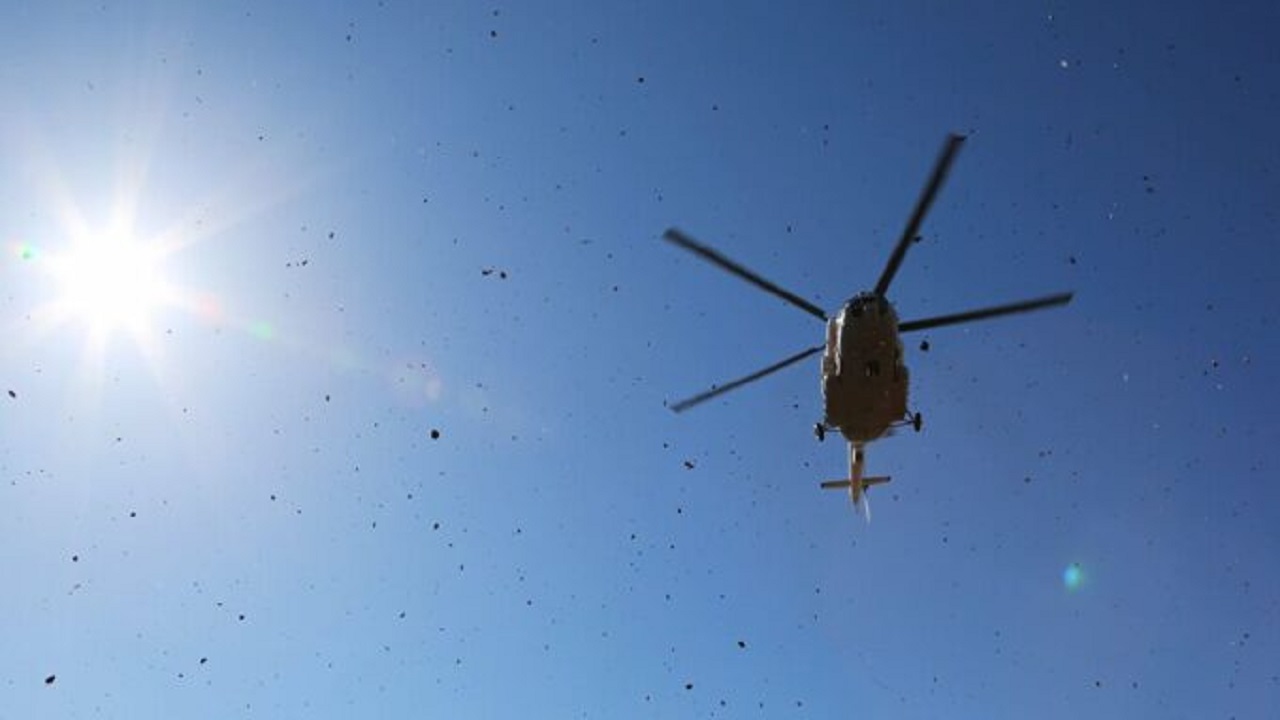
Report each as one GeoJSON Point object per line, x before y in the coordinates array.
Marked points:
{"type": "Point", "coordinates": [831, 358]}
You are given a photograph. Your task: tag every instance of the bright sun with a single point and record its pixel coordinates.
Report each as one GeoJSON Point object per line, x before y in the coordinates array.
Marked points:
{"type": "Point", "coordinates": [109, 283]}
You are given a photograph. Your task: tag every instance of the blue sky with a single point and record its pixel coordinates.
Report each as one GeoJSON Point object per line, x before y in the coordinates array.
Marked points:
{"type": "Point", "coordinates": [381, 220]}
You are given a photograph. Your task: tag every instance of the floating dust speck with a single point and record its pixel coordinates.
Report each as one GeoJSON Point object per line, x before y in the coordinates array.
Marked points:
{"type": "Point", "coordinates": [435, 434]}
{"type": "Point", "coordinates": [49, 680]}
{"type": "Point", "coordinates": [13, 395]}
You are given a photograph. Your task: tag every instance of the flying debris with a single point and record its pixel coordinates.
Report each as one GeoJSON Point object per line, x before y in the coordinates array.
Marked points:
{"type": "Point", "coordinates": [864, 377]}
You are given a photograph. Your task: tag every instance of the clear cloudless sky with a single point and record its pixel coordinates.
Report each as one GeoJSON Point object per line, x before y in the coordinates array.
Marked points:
{"type": "Point", "coordinates": [393, 442]}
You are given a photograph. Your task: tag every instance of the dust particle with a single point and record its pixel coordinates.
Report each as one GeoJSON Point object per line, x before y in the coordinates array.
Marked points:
{"type": "Point", "coordinates": [435, 434]}
{"type": "Point", "coordinates": [49, 680]}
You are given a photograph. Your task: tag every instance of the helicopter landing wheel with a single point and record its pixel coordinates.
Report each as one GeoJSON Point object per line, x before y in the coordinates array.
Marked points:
{"type": "Point", "coordinates": [819, 431]}
{"type": "Point", "coordinates": [917, 421]}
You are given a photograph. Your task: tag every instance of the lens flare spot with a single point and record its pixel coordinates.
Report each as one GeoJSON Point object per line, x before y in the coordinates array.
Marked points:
{"type": "Point", "coordinates": [262, 330]}
{"type": "Point", "coordinates": [208, 308]}
{"type": "Point", "coordinates": [1073, 576]}
{"type": "Point", "coordinates": [26, 251]}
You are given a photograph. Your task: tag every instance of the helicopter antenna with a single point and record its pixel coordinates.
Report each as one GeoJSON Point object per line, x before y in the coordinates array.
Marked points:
{"type": "Point", "coordinates": [909, 235]}
{"type": "Point", "coordinates": [674, 236]}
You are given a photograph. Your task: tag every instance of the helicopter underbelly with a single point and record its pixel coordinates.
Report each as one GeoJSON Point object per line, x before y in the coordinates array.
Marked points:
{"type": "Point", "coordinates": [866, 391]}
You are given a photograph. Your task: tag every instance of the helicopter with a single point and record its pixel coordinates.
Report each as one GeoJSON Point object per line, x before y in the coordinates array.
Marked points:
{"type": "Point", "coordinates": [864, 377]}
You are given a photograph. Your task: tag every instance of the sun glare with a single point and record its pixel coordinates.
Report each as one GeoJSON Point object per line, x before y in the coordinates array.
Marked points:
{"type": "Point", "coordinates": [109, 283]}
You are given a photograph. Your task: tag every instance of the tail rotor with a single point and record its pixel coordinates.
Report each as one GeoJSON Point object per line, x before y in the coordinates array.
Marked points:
{"type": "Point", "coordinates": [858, 488]}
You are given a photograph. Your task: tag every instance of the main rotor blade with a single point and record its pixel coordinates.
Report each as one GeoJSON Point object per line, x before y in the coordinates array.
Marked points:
{"type": "Point", "coordinates": [940, 170]}
{"type": "Point", "coordinates": [984, 313]}
{"type": "Point", "coordinates": [675, 236]}
{"type": "Point", "coordinates": [722, 389]}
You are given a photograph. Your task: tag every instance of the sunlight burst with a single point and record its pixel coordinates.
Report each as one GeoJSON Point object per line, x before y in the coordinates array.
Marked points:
{"type": "Point", "coordinates": [111, 282]}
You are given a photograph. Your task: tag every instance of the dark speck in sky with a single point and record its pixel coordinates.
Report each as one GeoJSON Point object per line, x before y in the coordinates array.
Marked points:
{"type": "Point", "coordinates": [49, 680]}
{"type": "Point", "coordinates": [924, 346]}
{"type": "Point", "coordinates": [435, 434]}
{"type": "Point", "coordinates": [13, 394]}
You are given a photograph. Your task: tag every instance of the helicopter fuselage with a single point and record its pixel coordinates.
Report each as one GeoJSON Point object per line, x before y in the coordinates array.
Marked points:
{"type": "Point", "coordinates": [864, 380]}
